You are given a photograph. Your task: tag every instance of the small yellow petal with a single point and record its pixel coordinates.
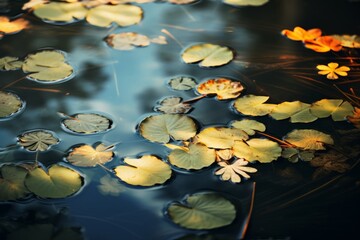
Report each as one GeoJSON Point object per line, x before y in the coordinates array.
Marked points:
{"type": "Point", "coordinates": [332, 76]}
{"type": "Point", "coordinates": [343, 69]}
{"type": "Point", "coordinates": [324, 72]}
{"type": "Point", "coordinates": [322, 67]}
{"type": "Point", "coordinates": [333, 65]}
{"type": "Point", "coordinates": [341, 73]}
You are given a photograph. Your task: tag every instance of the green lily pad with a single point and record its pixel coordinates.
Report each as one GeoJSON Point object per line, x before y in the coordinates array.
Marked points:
{"type": "Point", "coordinates": [87, 123]}
{"type": "Point", "coordinates": [336, 108]}
{"type": "Point", "coordinates": [121, 14]}
{"type": "Point", "coordinates": [262, 150]}
{"type": "Point", "coordinates": [220, 137]}
{"type": "Point", "coordinates": [309, 139]}
{"type": "Point", "coordinates": [57, 182]}
{"type": "Point", "coordinates": [249, 126]}
{"type": "Point", "coordinates": [10, 105]}
{"type": "Point", "coordinates": [12, 183]}
{"type": "Point", "coordinates": [196, 156]}
{"type": "Point", "coordinates": [202, 211]}
{"type": "Point", "coordinates": [173, 105]}
{"type": "Point", "coordinates": [159, 128]}
{"type": "Point", "coordinates": [87, 156]}
{"type": "Point", "coordinates": [208, 55]}
{"type": "Point", "coordinates": [38, 140]}
{"type": "Point", "coordinates": [47, 66]}
{"type": "Point", "coordinates": [145, 171]}
{"type": "Point", "coordinates": [253, 105]}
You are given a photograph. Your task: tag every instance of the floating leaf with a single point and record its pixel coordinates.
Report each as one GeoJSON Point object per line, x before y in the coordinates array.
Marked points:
{"type": "Point", "coordinates": [38, 140]}
{"type": "Point", "coordinates": [181, 1]}
{"type": "Point", "coordinates": [241, 3]}
{"type": "Point", "coordinates": [159, 128]}
{"type": "Point", "coordinates": [196, 156]}
{"type": "Point", "coordinates": [33, 3]}
{"type": "Point", "coordinates": [223, 88]}
{"type": "Point", "coordinates": [123, 15]}
{"type": "Point", "coordinates": [220, 137]}
{"type": "Point", "coordinates": [303, 116]}
{"type": "Point", "coordinates": [324, 44]}
{"type": "Point", "coordinates": [12, 183]}
{"type": "Point", "coordinates": [159, 40]}
{"type": "Point", "coordinates": [253, 105]}
{"type": "Point", "coordinates": [331, 161]}
{"type": "Point", "coordinates": [249, 126]}
{"type": "Point", "coordinates": [263, 150]}
{"type": "Point", "coordinates": [110, 186]}
{"type": "Point", "coordinates": [60, 11]}
{"type": "Point", "coordinates": [95, 3]}
{"type": "Point", "coordinates": [224, 155]}
{"type": "Point", "coordinates": [337, 108]}
{"type": "Point", "coordinates": [332, 70]}
{"type": "Point", "coordinates": [173, 105]}
{"type": "Point", "coordinates": [127, 40]}
{"type": "Point", "coordinates": [10, 63]}
{"type": "Point", "coordinates": [87, 156]}
{"type": "Point", "coordinates": [47, 66]}
{"type": "Point", "coordinates": [300, 34]}
{"type": "Point", "coordinates": [233, 171]}
{"type": "Point", "coordinates": [297, 111]}
{"type": "Point", "coordinates": [352, 41]}
{"type": "Point", "coordinates": [145, 171]}
{"type": "Point", "coordinates": [10, 105]}
{"type": "Point", "coordinates": [294, 155]}
{"type": "Point", "coordinates": [11, 27]}
{"type": "Point", "coordinates": [202, 211]}
{"type": "Point", "coordinates": [308, 139]}
{"type": "Point", "coordinates": [87, 123]}
{"type": "Point", "coordinates": [209, 55]}
{"type": "Point", "coordinates": [182, 83]}
{"type": "Point", "coordinates": [58, 182]}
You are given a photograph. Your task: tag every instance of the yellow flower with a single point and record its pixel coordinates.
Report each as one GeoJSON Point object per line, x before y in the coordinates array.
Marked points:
{"type": "Point", "coordinates": [332, 69]}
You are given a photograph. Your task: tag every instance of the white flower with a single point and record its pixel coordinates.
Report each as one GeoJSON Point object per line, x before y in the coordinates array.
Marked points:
{"type": "Point", "coordinates": [233, 171]}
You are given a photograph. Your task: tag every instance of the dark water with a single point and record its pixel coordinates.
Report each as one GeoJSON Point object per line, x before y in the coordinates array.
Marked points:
{"type": "Point", "coordinates": [125, 85]}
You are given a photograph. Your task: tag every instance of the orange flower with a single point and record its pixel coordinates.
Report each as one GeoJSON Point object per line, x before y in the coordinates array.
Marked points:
{"type": "Point", "coordinates": [332, 69]}
{"type": "Point", "coordinates": [300, 34]}
{"type": "Point", "coordinates": [355, 119]}
{"type": "Point", "coordinates": [324, 44]}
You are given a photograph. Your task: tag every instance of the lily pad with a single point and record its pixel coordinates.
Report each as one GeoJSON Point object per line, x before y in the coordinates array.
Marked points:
{"type": "Point", "coordinates": [57, 182]}
{"type": "Point", "coordinates": [182, 83]}
{"type": "Point", "coordinates": [220, 137]}
{"type": "Point", "coordinates": [38, 140]}
{"type": "Point", "coordinates": [173, 105]}
{"type": "Point", "coordinates": [11, 27]}
{"type": "Point", "coordinates": [123, 15]}
{"type": "Point", "coordinates": [241, 3]}
{"type": "Point", "coordinates": [223, 88]}
{"type": "Point", "coordinates": [202, 211]}
{"type": "Point", "coordinates": [294, 155]}
{"type": "Point", "coordinates": [63, 12]}
{"type": "Point", "coordinates": [10, 105]}
{"type": "Point", "coordinates": [145, 171]}
{"type": "Point", "coordinates": [196, 156]}
{"type": "Point", "coordinates": [110, 186]}
{"type": "Point", "coordinates": [208, 55]}
{"type": "Point", "coordinates": [127, 40]}
{"type": "Point", "coordinates": [325, 107]}
{"type": "Point", "coordinates": [87, 123]}
{"type": "Point", "coordinates": [262, 150]}
{"type": "Point", "coordinates": [87, 156]}
{"type": "Point", "coordinates": [10, 63]}
{"type": "Point", "coordinates": [159, 128]}
{"type": "Point", "coordinates": [12, 183]}
{"type": "Point", "coordinates": [253, 105]}
{"type": "Point", "coordinates": [287, 109]}
{"type": "Point", "coordinates": [309, 139]}
{"type": "Point", "coordinates": [47, 66]}
{"type": "Point", "coordinates": [249, 126]}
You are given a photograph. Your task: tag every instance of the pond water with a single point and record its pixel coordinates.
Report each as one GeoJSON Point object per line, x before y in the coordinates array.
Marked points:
{"type": "Point", "coordinates": [126, 85]}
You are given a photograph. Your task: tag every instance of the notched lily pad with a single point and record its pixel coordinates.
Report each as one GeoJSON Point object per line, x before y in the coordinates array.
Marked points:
{"type": "Point", "coordinates": [336, 108]}
{"type": "Point", "coordinates": [208, 55]}
{"type": "Point", "coordinates": [127, 40]}
{"type": "Point", "coordinates": [47, 66]}
{"type": "Point", "coordinates": [220, 137]}
{"type": "Point", "coordinates": [253, 105]}
{"type": "Point", "coordinates": [60, 12]}
{"type": "Point", "coordinates": [10, 63]}
{"type": "Point", "coordinates": [202, 211]}
{"type": "Point", "coordinates": [38, 140]}
{"type": "Point", "coordinates": [145, 171]}
{"type": "Point", "coordinates": [249, 126]}
{"type": "Point", "coordinates": [309, 139]}
{"type": "Point", "coordinates": [160, 128]}
{"type": "Point", "coordinates": [87, 123]}
{"type": "Point", "coordinates": [88, 156]}
{"type": "Point", "coordinates": [195, 156]}
{"type": "Point", "coordinates": [57, 182]}
{"type": "Point", "coordinates": [10, 105]}
{"type": "Point", "coordinates": [182, 83]}
{"type": "Point", "coordinates": [223, 88]}
{"type": "Point", "coordinates": [12, 183]}
{"type": "Point", "coordinates": [173, 105]}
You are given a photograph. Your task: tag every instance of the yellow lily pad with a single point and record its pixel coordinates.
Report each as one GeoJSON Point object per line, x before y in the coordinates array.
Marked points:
{"type": "Point", "coordinates": [220, 137]}
{"type": "Point", "coordinates": [87, 156]}
{"type": "Point", "coordinates": [145, 171]}
{"type": "Point", "coordinates": [10, 63]}
{"type": "Point", "coordinates": [287, 109]}
{"type": "Point", "coordinates": [242, 3]}
{"type": "Point", "coordinates": [249, 126]}
{"type": "Point", "coordinates": [12, 183]}
{"type": "Point", "coordinates": [10, 105]}
{"type": "Point", "coordinates": [223, 88]}
{"type": "Point", "coordinates": [309, 139]}
{"type": "Point", "coordinates": [87, 123]}
{"type": "Point", "coordinates": [253, 105]}
{"type": "Point", "coordinates": [60, 11]}
{"type": "Point", "coordinates": [38, 140]}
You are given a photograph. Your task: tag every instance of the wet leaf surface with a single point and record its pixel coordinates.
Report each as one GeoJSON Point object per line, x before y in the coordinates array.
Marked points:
{"type": "Point", "coordinates": [221, 87]}
{"type": "Point", "coordinates": [87, 123]}
{"type": "Point", "coordinates": [38, 140]}
{"type": "Point", "coordinates": [12, 183]}
{"type": "Point", "coordinates": [309, 139]}
{"type": "Point", "coordinates": [88, 156]}
{"type": "Point", "coordinates": [10, 104]}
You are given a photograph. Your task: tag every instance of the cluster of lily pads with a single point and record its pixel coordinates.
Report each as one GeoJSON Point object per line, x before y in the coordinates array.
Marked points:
{"type": "Point", "coordinates": [232, 147]}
